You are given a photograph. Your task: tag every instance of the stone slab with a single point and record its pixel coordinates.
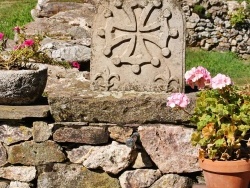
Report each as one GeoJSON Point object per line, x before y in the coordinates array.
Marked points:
{"type": "Point", "coordinates": [143, 52]}
{"type": "Point", "coordinates": [80, 104]}
{"type": "Point", "coordinates": [199, 186]}
{"type": "Point", "coordinates": [21, 112]}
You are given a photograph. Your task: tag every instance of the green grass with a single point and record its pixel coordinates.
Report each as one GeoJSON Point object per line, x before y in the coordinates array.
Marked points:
{"type": "Point", "coordinates": [13, 13]}
{"type": "Point", "coordinates": [226, 63]}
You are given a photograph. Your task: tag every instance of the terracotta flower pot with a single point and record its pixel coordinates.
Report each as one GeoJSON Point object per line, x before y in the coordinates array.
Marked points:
{"type": "Point", "coordinates": [226, 174]}
{"type": "Point", "coordinates": [21, 87]}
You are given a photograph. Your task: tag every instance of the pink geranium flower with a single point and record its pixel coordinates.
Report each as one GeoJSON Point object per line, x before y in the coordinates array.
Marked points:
{"type": "Point", "coordinates": [75, 64]}
{"type": "Point", "coordinates": [1, 36]}
{"type": "Point", "coordinates": [220, 81]}
{"type": "Point", "coordinates": [28, 42]}
{"type": "Point", "coordinates": [199, 77]}
{"type": "Point", "coordinates": [178, 100]}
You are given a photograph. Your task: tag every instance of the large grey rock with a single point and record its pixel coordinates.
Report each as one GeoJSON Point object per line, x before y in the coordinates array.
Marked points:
{"type": "Point", "coordinates": [87, 135]}
{"type": "Point", "coordinates": [139, 178]}
{"type": "Point", "coordinates": [18, 173]}
{"type": "Point", "coordinates": [170, 148]}
{"type": "Point", "coordinates": [10, 134]}
{"type": "Point", "coordinates": [3, 155]}
{"type": "Point", "coordinates": [73, 176]}
{"type": "Point", "coordinates": [67, 51]}
{"type": "Point", "coordinates": [31, 153]}
{"type": "Point", "coordinates": [20, 87]}
{"type": "Point", "coordinates": [144, 52]}
{"type": "Point", "coordinates": [111, 158]}
{"type": "Point", "coordinates": [173, 181]}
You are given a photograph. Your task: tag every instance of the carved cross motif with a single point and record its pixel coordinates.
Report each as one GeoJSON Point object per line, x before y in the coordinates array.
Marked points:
{"type": "Point", "coordinates": [135, 31]}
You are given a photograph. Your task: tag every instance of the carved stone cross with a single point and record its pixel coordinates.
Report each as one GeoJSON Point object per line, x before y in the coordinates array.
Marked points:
{"type": "Point", "coordinates": [138, 45]}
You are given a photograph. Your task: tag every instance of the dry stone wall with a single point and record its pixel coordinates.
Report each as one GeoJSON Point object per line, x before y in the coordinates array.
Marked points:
{"type": "Point", "coordinates": [37, 150]}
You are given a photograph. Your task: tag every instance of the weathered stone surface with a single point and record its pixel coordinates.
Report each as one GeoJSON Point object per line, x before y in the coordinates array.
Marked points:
{"type": "Point", "coordinates": [139, 178]}
{"type": "Point", "coordinates": [78, 155]}
{"type": "Point", "coordinates": [142, 161]}
{"type": "Point", "coordinates": [80, 104]}
{"type": "Point", "coordinates": [41, 131]}
{"type": "Point", "coordinates": [4, 184]}
{"type": "Point", "coordinates": [31, 153]}
{"type": "Point", "coordinates": [87, 135]}
{"type": "Point", "coordinates": [120, 134]}
{"type": "Point", "coordinates": [3, 155]}
{"type": "Point", "coordinates": [172, 181]}
{"type": "Point", "coordinates": [144, 52]}
{"type": "Point", "coordinates": [10, 134]}
{"type": "Point", "coordinates": [66, 51]}
{"type": "Point", "coordinates": [48, 8]}
{"type": "Point", "coordinates": [74, 176]}
{"type": "Point", "coordinates": [18, 173]}
{"type": "Point", "coordinates": [17, 184]}
{"type": "Point", "coordinates": [170, 148]}
{"type": "Point", "coordinates": [21, 112]}
{"type": "Point", "coordinates": [111, 158]}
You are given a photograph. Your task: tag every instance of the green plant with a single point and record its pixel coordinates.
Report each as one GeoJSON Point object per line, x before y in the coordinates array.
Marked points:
{"type": "Point", "coordinates": [14, 13]}
{"type": "Point", "coordinates": [221, 114]}
{"type": "Point", "coordinates": [25, 51]}
{"type": "Point", "coordinates": [239, 16]}
{"type": "Point", "coordinates": [200, 10]}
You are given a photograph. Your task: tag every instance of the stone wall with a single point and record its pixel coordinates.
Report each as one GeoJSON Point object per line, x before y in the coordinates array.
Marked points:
{"type": "Point", "coordinates": [88, 139]}
{"type": "Point", "coordinates": [81, 138]}
{"type": "Point", "coordinates": [212, 29]}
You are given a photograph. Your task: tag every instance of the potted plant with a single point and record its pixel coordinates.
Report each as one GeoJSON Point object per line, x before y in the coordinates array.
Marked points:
{"type": "Point", "coordinates": [23, 74]}
{"type": "Point", "coordinates": [222, 117]}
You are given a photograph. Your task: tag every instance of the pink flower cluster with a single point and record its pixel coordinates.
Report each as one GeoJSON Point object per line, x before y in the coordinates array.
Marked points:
{"type": "Point", "coordinates": [75, 64]}
{"type": "Point", "coordinates": [1, 36]}
{"type": "Point", "coordinates": [178, 100]}
{"type": "Point", "coordinates": [26, 43]}
{"type": "Point", "coordinates": [220, 81]}
{"type": "Point", "coordinates": [199, 77]}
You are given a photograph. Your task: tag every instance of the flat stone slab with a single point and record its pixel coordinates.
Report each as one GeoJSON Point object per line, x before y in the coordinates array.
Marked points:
{"type": "Point", "coordinates": [21, 112]}
{"type": "Point", "coordinates": [76, 104]}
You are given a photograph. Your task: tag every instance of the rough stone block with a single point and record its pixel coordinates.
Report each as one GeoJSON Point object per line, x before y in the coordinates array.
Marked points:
{"type": "Point", "coordinates": [86, 135]}
{"type": "Point", "coordinates": [10, 134]}
{"type": "Point", "coordinates": [170, 148]}
{"type": "Point", "coordinates": [18, 173]}
{"type": "Point", "coordinates": [139, 178]}
{"type": "Point", "coordinates": [41, 131]}
{"type": "Point", "coordinates": [32, 153]}
{"type": "Point", "coordinates": [3, 155]}
{"type": "Point", "coordinates": [73, 176]}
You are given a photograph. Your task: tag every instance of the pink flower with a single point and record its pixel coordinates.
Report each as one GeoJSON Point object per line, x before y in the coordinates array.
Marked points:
{"type": "Point", "coordinates": [1, 36]}
{"type": "Point", "coordinates": [75, 64]}
{"type": "Point", "coordinates": [198, 76]}
{"type": "Point", "coordinates": [178, 100]}
{"type": "Point", "coordinates": [28, 42]}
{"type": "Point", "coordinates": [220, 81]}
